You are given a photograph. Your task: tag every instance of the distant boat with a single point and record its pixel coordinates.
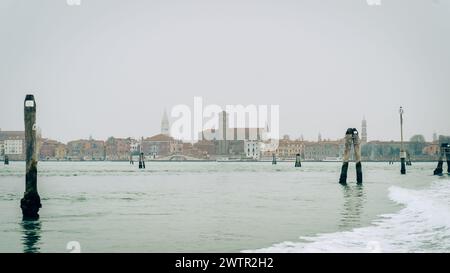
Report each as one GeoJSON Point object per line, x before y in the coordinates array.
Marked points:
{"type": "Point", "coordinates": [332, 159]}
{"type": "Point", "coordinates": [236, 160]}
{"type": "Point", "coordinates": [223, 159]}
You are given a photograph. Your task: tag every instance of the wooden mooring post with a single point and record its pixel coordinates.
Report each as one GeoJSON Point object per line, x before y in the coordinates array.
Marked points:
{"type": "Point", "coordinates": [298, 162]}
{"type": "Point", "coordinates": [351, 139]}
{"type": "Point", "coordinates": [402, 149]}
{"type": "Point", "coordinates": [444, 154]}
{"type": "Point", "coordinates": [141, 161]}
{"type": "Point", "coordinates": [31, 202]}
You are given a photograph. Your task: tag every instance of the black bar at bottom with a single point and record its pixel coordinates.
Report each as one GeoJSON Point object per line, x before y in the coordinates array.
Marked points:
{"type": "Point", "coordinates": [222, 262]}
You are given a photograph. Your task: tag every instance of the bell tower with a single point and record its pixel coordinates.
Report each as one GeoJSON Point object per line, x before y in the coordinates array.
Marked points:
{"type": "Point", "coordinates": [165, 124]}
{"type": "Point", "coordinates": [364, 130]}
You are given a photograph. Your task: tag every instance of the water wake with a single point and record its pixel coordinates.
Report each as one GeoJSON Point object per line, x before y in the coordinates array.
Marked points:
{"type": "Point", "coordinates": [423, 225]}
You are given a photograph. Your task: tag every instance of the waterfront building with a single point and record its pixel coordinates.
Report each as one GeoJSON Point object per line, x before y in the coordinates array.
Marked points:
{"type": "Point", "coordinates": [188, 149]}
{"type": "Point", "coordinates": [235, 149]}
{"type": "Point", "coordinates": [239, 133]}
{"type": "Point", "coordinates": [252, 149]}
{"type": "Point", "coordinates": [118, 148]}
{"type": "Point", "coordinates": [51, 149]}
{"type": "Point", "coordinates": [233, 134]}
{"type": "Point", "coordinates": [134, 147]}
{"type": "Point", "coordinates": [323, 150]}
{"type": "Point", "coordinates": [161, 145]}
{"type": "Point", "coordinates": [13, 144]}
{"type": "Point", "coordinates": [390, 150]}
{"type": "Point", "coordinates": [288, 149]}
{"type": "Point", "coordinates": [61, 151]}
{"type": "Point", "coordinates": [86, 149]}
{"type": "Point", "coordinates": [432, 150]}
{"type": "Point", "coordinates": [381, 150]}
{"type": "Point", "coordinates": [14, 147]}
{"type": "Point", "coordinates": [231, 141]}
{"type": "Point", "coordinates": [204, 149]}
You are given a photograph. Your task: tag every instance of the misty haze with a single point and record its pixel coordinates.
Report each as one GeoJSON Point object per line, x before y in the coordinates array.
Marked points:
{"type": "Point", "coordinates": [224, 126]}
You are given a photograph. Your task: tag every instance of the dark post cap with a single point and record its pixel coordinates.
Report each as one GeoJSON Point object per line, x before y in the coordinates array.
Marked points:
{"type": "Point", "coordinates": [29, 97]}
{"type": "Point", "coordinates": [30, 103]}
{"type": "Point", "coordinates": [351, 131]}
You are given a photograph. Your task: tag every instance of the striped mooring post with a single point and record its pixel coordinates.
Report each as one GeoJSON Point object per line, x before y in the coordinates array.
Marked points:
{"type": "Point", "coordinates": [31, 202]}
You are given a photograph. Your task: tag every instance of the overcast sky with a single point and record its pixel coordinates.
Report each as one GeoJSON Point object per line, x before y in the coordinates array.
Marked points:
{"type": "Point", "coordinates": [111, 67]}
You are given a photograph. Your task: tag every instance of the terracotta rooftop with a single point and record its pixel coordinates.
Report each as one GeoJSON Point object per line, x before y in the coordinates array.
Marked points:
{"type": "Point", "coordinates": [160, 137]}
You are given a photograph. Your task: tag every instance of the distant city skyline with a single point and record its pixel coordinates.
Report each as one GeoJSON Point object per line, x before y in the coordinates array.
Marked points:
{"type": "Point", "coordinates": [110, 68]}
{"type": "Point", "coordinates": [165, 130]}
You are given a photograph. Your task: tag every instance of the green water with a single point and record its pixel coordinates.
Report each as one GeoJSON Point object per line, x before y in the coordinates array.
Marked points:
{"type": "Point", "coordinates": [193, 207]}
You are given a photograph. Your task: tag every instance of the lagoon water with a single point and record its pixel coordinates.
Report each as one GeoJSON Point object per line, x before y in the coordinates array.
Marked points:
{"type": "Point", "coordinates": [226, 207]}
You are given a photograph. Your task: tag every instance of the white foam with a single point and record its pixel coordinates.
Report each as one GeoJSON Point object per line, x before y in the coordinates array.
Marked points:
{"type": "Point", "coordinates": [423, 225]}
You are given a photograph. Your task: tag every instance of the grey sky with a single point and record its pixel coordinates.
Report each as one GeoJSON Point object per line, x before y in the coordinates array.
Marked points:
{"type": "Point", "coordinates": [110, 67]}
